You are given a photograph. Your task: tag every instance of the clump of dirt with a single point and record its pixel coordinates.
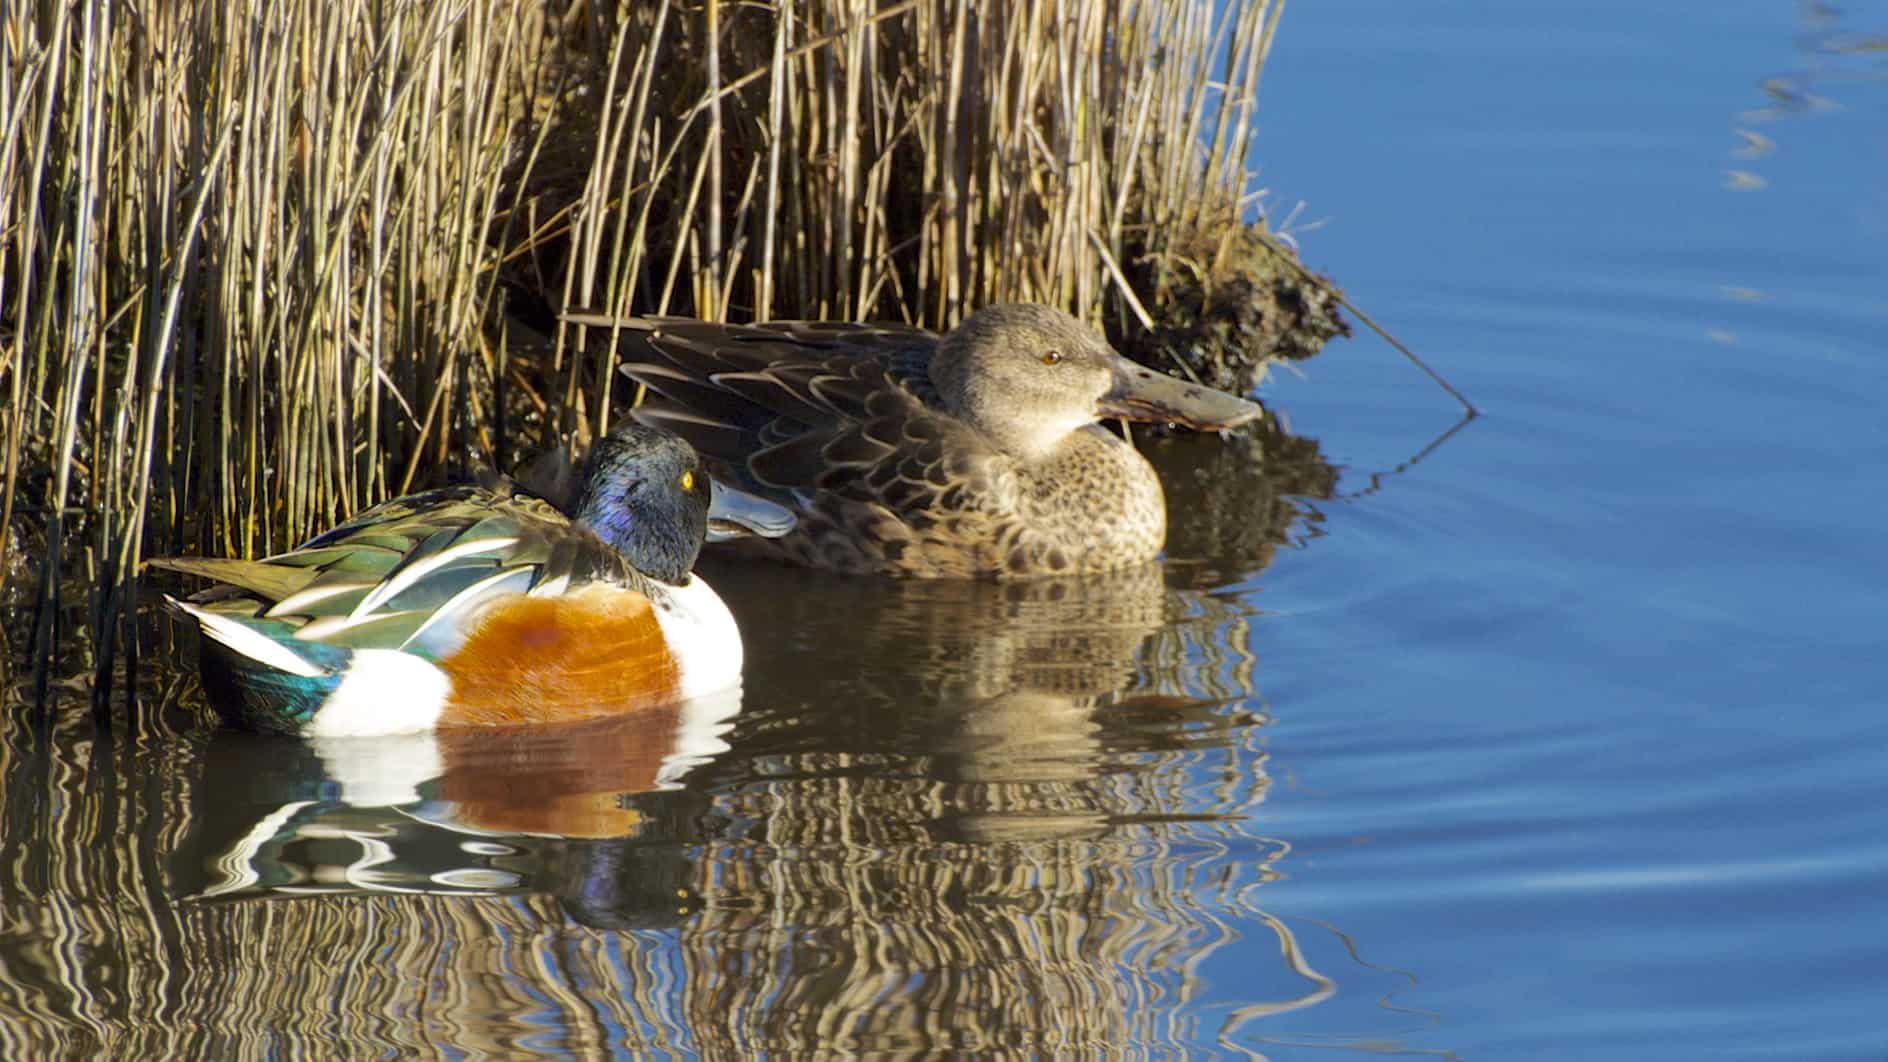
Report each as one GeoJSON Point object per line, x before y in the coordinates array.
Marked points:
{"type": "Point", "coordinates": [1227, 299]}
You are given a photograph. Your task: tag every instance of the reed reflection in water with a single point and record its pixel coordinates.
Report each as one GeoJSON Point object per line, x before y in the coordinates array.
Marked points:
{"type": "Point", "coordinates": [1019, 842]}
{"type": "Point", "coordinates": [948, 816]}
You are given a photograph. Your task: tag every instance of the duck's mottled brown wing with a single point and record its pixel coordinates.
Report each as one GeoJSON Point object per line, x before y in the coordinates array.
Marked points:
{"type": "Point", "coordinates": [780, 404]}
{"type": "Point", "coordinates": [840, 422]}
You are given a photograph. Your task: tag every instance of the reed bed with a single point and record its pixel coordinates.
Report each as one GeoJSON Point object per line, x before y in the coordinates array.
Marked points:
{"type": "Point", "coordinates": [264, 264]}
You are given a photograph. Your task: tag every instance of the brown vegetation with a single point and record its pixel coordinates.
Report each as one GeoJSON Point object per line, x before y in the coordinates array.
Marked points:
{"type": "Point", "coordinates": [265, 264]}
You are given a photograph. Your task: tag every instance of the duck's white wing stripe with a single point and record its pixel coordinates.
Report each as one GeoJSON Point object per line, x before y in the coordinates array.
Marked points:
{"type": "Point", "coordinates": [418, 570]}
{"type": "Point", "coordinates": [249, 642]}
{"type": "Point", "coordinates": [552, 587]}
{"type": "Point", "coordinates": [298, 602]}
{"type": "Point", "coordinates": [438, 639]}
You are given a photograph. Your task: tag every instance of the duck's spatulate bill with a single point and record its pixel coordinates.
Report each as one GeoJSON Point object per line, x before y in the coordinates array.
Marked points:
{"type": "Point", "coordinates": [735, 513]}
{"type": "Point", "coordinates": [1140, 393]}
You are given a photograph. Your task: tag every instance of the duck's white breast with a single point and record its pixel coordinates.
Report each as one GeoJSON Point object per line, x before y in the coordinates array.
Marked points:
{"type": "Point", "coordinates": [701, 635]}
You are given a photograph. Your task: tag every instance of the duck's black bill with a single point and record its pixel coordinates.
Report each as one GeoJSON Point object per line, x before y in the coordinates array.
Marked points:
{"type": "Point", "coordinates": [736, 514]}
{"type": "Point", "coordinates": [1142, 394]}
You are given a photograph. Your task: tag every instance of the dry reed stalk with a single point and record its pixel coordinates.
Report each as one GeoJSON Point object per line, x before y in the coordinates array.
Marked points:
{"type": "Point", "coordinates": [245, 260]}
{"type": "Point", "coordinates": [913, 160]}
{"type": "Point", "coordinates": [258, 259]}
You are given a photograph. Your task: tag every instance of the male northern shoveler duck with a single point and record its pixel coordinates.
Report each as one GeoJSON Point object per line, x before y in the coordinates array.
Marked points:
{"type": "Point", "coordinates": [904, 453]}
{"type": "Point", "coordinates": [485, 606]}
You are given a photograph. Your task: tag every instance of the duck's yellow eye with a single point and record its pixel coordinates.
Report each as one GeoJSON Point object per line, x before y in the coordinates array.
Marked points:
{"type": "Point", "coordinates": [1052, 357]}
{"type": "Point", "coordinates": [688, 481]}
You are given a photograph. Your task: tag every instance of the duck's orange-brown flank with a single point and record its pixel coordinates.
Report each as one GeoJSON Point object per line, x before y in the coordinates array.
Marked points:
{"type": "Point", "coordinates": [595, 652]}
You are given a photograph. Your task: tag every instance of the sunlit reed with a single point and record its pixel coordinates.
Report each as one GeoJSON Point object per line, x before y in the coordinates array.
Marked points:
{"type": "Point", "coordinates": [261, 261]}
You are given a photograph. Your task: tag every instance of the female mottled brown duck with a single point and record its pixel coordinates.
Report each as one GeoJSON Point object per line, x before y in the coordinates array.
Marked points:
{"type": "Point", "coordinates": [901, 452]}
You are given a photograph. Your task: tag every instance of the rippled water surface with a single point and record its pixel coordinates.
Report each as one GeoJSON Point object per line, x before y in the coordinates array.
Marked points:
{"type": "Point", "coordinates": [1563, 739]}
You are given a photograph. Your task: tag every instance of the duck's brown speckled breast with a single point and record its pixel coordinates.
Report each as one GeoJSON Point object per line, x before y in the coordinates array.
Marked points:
{"type": "Point", "coordinates": [1097, 506]}
{"type": "Point", "coordinates": [1094, 506]}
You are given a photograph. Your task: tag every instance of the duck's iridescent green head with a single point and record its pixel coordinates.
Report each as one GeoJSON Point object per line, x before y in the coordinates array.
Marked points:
{"type": "Point", "coordinates": [646, 495]}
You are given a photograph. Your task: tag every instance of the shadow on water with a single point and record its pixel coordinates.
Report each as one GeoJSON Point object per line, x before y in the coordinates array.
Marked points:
{"type": "Point", "coordinates": [948, 816]}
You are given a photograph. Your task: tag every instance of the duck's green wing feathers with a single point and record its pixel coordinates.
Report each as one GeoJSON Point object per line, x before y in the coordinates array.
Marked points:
{"type": "Point", "coordinates": [409, 573]}
{"type": "Point", "coordinates": [268, 581]}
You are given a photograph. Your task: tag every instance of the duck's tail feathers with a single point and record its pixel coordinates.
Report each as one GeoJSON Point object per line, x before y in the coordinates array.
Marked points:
{"type": "Point", "coordinates": [268, 643]}
{"type": "Point", "coordinates": [259, 675]}
{"type": "Point", "coordinates": [272, 581]}
{"type": "Point", "coordinates": [270, 680]}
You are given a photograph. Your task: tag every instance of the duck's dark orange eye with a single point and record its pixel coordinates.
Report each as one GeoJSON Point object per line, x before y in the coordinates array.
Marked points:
{"type": "Point", "coordinates": [1052, 357]}
{"type": "Point", "coordinates": [688, 481]}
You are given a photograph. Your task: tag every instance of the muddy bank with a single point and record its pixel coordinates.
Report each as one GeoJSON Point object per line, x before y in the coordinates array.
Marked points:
{"type": "Point", "coordinates": [1226, 301]}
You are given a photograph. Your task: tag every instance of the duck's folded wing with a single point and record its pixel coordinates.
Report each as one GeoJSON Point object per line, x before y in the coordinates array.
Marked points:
{"type": "Point", "coordinates": [261, 579]}
{"type": "Point", "coordinates": [784, 404]}
{"type": "Point", "coordinates": [410, 576]}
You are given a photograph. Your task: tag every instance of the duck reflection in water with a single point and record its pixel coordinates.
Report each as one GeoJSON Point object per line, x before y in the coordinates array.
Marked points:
{"type": "Point", "coordinates": [1038, 683]}
{"type": "Point", "coordinates": [983, 818]}
{"type": "Point", "coordinates": [462, 810]}
{"type": "Point", "coordinates": [970, 814]}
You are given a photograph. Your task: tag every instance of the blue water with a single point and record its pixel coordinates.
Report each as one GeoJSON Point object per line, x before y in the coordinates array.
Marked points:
{"type": "Point", "coordinates": [1555, 734]}
{"type": "Point", "coordinates": [1585, 708]}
